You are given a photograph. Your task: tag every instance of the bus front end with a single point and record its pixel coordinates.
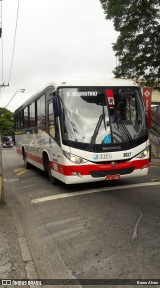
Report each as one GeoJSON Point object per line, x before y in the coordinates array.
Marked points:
{"type": "Point", "coordinates": [104, 134]}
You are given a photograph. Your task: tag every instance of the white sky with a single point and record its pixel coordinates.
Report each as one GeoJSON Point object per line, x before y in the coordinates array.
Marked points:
{"type": "Point", "coordinates": [56, 39]}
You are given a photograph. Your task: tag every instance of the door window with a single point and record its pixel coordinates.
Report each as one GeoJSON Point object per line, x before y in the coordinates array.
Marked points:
{"type": "Point", "coordinates": [51, 120]}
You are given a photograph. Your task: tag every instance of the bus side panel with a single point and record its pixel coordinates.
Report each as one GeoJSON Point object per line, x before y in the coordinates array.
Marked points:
{"type": "Point", "coordinates": [38, 146]}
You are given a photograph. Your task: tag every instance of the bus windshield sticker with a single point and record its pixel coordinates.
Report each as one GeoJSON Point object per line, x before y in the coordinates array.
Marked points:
{"type": "Point", "coordinates": [110, 97]}
{"type": "Point", "coordinates": [81, 93]}
{"type": "Point", "coordinates": [107, 139]}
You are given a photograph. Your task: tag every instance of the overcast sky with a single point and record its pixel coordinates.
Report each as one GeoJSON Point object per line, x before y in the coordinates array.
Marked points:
{"type": "Point", "coordinates": [55, 39]}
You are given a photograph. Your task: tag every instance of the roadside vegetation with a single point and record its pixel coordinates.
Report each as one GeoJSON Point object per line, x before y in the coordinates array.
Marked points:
{"type": "Point", "coordinates": [137, 46]}
{"type": "Point", "coordinates": [6, 122]}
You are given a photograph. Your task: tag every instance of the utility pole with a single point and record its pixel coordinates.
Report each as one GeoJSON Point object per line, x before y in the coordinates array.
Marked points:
{"type": "Point", "coordinates": [1, 24]}
{"type": "Point", "coordinates": [4, 85]}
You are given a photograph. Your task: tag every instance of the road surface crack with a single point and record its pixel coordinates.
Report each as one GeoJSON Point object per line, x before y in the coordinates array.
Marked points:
{"type": "Point", "coordinates": [135, 231]}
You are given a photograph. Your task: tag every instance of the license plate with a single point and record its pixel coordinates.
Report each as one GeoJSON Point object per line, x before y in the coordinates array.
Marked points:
{"type": "Point", "coordinates": [113, 177]}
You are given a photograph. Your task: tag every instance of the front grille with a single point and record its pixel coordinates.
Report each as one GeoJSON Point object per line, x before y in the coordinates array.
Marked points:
{"type": "Point", "coordinates": [110, 162]}
{"type": "Point", "coordinates": [104, 173]}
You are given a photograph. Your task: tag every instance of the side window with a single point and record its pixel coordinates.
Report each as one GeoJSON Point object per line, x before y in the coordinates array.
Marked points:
{"type": "Point", "coordinates": [16, 121]}
{"type": "Point", "coordinates": [20, 119]}
{"type": "Point", "coordinates": [51, 121]}
{"type": "Point", "coordinates": [32, 114]}
{"type": "Point", "coordinates": [41, 111]}
{"type": "Point", "coordinates": [26, 118]}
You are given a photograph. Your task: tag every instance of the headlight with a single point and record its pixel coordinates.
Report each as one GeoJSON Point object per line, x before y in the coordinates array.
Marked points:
{"type": "Point", "coordinates": [74, 158]}
{"type": "Point", "coordinates": [144, 153]}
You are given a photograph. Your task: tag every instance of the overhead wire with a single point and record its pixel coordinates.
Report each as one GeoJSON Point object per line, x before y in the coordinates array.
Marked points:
{"type": "Point", "coordinates": [2, 55]}
{"type": "Point", "coordinates": [14, 43]}
{"type": "Point", "coordinates": [1, 88]}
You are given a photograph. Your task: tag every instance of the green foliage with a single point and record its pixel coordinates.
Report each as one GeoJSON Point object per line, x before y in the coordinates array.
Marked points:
{"type": "Point", "coordinates": [137, 46]}
{"type": "Point", "coordinates": [6, 122]}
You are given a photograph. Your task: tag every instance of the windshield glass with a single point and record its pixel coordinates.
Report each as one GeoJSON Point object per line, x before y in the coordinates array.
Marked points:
{"type": "Point", "coordinates": [102, 115]}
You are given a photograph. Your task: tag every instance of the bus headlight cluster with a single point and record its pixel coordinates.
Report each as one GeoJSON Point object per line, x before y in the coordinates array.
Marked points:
{"type": "Point", "coordinates": [74, 158]}
{"type": "Point", "coordinates": [144, 153]}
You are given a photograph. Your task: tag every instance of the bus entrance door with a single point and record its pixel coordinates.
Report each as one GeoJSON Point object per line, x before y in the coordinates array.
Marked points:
{"type": "Point", "coordinates": [55, 150]}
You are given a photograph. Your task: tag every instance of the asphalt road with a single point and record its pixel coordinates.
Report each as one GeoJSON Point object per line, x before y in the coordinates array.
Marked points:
{"type": "Point", "coordinates": [107, 230]}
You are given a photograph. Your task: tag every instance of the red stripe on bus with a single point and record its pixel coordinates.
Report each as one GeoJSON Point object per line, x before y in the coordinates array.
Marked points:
{"type": "Point", "coordinates": [85, 169]}
{"type": "Point", "coordinates": [35, 158]}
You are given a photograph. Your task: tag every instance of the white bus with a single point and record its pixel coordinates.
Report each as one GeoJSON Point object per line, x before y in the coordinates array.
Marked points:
{"type": "Point", "coordinates": [85, 130]}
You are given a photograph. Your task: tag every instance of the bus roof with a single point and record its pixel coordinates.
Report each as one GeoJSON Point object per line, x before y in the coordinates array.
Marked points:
{"type": "Point", "coordinates": [93, 82]}
{"type": "Point", "coordinates": [90, 82]}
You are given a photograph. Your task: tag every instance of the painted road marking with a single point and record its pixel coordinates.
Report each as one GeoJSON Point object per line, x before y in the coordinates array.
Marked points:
{"type": "Point", "coordinates": [20, 171]}
{"type": "Point", "coordinates": [11, 180]}
{"type": "Point", "coordinates": [74, 194]}
{"type": "Point", "coordinates": [24, 187]}
{"type": "Point", "coordinates": [155, 164]}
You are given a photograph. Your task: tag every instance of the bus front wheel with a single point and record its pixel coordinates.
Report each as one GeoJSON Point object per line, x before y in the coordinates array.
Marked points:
{"type": "Point", "coordinates": [47, 169]}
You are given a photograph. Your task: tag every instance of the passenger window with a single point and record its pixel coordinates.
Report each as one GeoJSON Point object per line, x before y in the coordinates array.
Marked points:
{"type": "Point", "coordinates": [20, 120]}
{"type": "Point", "coordinates": [32, 114]}
{"type": "Point", "coordinates": [26, 118]}
{"type": "Point", "coordinates": [16, 122]}
{"type": "Point", "coordinates": [41, 111]}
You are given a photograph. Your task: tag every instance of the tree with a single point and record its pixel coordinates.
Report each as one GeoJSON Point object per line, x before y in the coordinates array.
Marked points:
{"type": "Point", "coordinates": [6, 122]}
{"type": "Point", "coordinates": [137, 46]}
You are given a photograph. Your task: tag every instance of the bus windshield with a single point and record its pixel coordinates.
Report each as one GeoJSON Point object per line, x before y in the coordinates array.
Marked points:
{"type": "Point", "coordinates": [96, 115]}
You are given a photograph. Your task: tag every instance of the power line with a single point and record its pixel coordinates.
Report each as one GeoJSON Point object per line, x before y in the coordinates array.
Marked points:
{"type": "Point", "coordinates": [14, 43]}
{"type": "Point", "coordinates": [1, 87]}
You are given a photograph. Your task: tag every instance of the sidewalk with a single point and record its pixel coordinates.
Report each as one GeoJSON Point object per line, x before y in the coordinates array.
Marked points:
{"type": "Point", "coordinates": [15, 258]}
{"type": "Point", "coordinates": [11, 263]}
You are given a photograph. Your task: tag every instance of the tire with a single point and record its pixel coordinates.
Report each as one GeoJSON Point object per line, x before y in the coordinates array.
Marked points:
{"type": "Point", "coordinates": [26, 163]}
{"type": "Point", "coordinates": [47, 169]}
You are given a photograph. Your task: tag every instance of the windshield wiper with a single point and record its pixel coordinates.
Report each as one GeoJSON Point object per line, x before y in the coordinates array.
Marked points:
{"type": "Point", "coordinates": [95, 133]}
{"type": "Point", "coordinates": [124, 131]}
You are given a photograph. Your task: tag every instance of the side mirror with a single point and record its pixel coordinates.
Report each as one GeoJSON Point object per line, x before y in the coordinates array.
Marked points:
{"type": "Point", "coordinates": [56, 106]}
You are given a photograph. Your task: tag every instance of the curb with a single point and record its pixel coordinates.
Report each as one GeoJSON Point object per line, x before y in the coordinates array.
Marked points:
{"type": "Point", "coordinates": [1, 179]}
{"type": "Point", "coordinates": [155, 163]}
{"type": "Point", "coordinates": [25, 251]}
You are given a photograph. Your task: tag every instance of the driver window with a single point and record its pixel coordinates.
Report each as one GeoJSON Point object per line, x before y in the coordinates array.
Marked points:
{"type": "Point", "coordinates": [51, 121]}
